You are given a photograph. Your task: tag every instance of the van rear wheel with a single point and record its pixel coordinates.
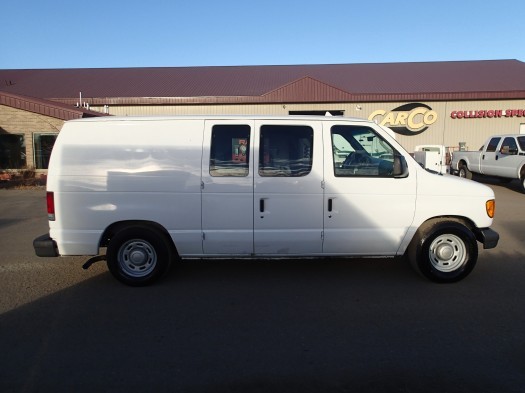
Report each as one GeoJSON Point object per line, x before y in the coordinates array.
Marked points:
{"type": "Point", "coordinates": [444, 252]}
{"type": "Point", "coordinates": [139, 255]}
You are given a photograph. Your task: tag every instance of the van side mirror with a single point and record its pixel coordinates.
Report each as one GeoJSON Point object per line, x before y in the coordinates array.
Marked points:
{"type": "Point", "coordinates": [400, 166]}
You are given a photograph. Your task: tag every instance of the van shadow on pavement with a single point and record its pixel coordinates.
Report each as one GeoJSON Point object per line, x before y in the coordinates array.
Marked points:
{"type": "Point", "coordinates": [283, 326]}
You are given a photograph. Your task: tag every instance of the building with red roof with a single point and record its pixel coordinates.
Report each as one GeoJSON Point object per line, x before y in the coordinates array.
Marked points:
{"type": "Point", "coordinates": [446, 103]}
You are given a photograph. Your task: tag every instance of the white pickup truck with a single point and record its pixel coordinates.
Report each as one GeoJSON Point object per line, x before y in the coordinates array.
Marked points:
{"type": "Point", "coordinates": [502, 156]}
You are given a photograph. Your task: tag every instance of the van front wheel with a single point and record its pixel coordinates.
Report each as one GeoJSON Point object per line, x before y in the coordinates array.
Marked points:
{"type": "Point", "coordinates": [138, 255]}
{"type": "Point", "coordinates": [444, 252]}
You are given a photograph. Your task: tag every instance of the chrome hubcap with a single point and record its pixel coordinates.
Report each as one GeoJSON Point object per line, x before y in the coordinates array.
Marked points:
{"type": "Point", "coordinates": [444, 251]}
{"type": "Point", "coordinates": [137, 258]}
{"type": "Point", "coordinates": [447, 253]}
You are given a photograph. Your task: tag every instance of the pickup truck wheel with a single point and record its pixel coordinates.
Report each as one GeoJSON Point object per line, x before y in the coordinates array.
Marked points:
{"type": "Point", "coordinates": [138, 255]}
{"type": "Point", "coordinates": [444, 252]}
{"type": "Point", "coordinates": [465, 172]}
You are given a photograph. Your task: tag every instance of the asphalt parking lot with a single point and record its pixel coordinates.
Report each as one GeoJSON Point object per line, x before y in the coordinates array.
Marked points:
{"type": "Point", "coordinates": [365, 325]}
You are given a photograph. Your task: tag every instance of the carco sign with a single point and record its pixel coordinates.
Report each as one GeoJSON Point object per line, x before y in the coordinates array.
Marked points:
{"type": "Point", "coordinates": [408, 119]}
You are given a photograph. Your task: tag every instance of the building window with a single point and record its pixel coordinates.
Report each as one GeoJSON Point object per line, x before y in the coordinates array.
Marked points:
{"type": "Point", "coordinates": [230, 150]}
{"type": "Point", "coordinates": [43, 144]}
{"type": "Point", "coordinates": [285, 151]}
{"type": "Point", "coordinates": [12, 151]}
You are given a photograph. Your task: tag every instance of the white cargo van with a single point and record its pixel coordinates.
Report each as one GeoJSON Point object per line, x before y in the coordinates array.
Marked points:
{"type": "Point", "coordinates": [156, 190]}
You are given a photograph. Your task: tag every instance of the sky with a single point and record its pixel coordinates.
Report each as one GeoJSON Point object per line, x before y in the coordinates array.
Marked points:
{"type": "Point", "coordinates": [188, 33]}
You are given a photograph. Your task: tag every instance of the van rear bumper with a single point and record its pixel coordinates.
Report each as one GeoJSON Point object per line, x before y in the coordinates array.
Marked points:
{"type": "Point", "coordinates": [488, 237]}
{"type": "Point", "coordinates": [45, 246]}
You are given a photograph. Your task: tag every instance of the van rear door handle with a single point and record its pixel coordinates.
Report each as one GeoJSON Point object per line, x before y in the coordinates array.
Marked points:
{"type": "Point", "coordinates": [261, 205]}
{"type": "Point", "coordinates": [330, 203]}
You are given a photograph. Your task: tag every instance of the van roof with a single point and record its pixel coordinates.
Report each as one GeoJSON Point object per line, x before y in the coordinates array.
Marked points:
{"type": "Point", "coordinates": [221, 117]}
{"type": "Point", "coordinates": [505, 135]}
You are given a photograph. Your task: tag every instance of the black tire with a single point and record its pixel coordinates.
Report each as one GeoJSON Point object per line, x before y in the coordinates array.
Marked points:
{"type": "Point", "coordinates": [444, 252]}
{"type": "Point", "coordinates": [464, 172]}
{"type": "Point", "coordinates": [522, 184]}
{"type": "Point", "coordinates": [139, 255]}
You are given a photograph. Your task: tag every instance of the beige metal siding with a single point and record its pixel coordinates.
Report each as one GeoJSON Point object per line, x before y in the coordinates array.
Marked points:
{"type": "Point", "coordinates": [444, 131]}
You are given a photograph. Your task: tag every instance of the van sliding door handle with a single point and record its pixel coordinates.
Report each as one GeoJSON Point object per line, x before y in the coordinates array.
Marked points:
{"type": "Point", "coordinates": [330, 203]}
{"type": "Point", "coordinates": [261, 205]}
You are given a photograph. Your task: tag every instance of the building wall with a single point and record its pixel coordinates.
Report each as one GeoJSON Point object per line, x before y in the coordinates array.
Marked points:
{"type": "Point", "coordinates": [16, 121]}
{"type": "Point", "coordinates": [444, 130]}
{"type": "Point", "coordinates": [451, 131]}
{"type": "Point", "coordinates": [452, 122]}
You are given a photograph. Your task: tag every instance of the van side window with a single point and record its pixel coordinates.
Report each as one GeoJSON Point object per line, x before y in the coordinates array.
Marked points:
{"type": "Point", "coordinates": [493, 144]}
{"type": "Point", "coordinates": [359, 151]}
{"type": "Point", "coordinates": [285, 151]}
{"type": "Point", "coordinates": [230, 150]}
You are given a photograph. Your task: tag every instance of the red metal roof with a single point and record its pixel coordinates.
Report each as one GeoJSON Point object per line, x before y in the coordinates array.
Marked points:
{"type": "Point", "coordinates": [490, 79]}
{"type": "Point", "coordinates": [45, 107]}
